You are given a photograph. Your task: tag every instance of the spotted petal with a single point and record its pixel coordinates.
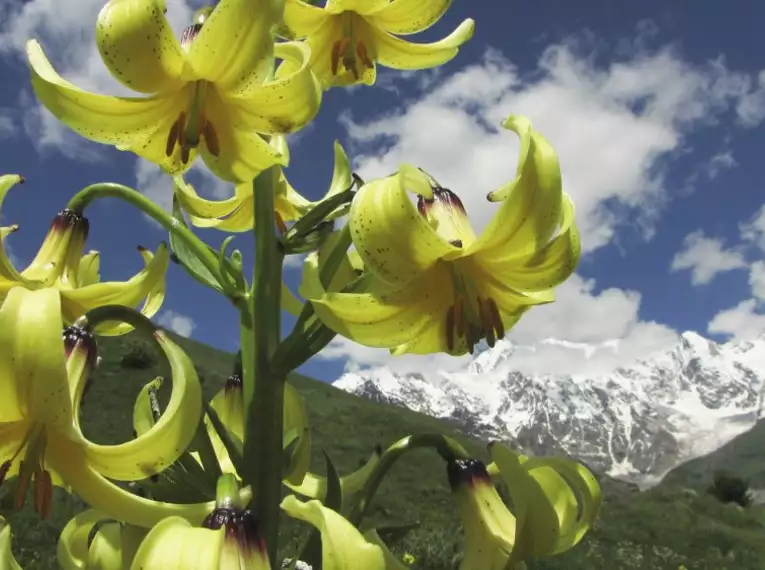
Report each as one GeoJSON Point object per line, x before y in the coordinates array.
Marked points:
{"type": "Point", "coordinates": [396, 53]}
{"type": "Point", "coordinates": [410, 16]}
{"type": "Point", "coordinates": [361, 7]}
{"type": "Point", "coordinates": [302, 18]}
{"type": "Point", "coordinates": [138, 46]}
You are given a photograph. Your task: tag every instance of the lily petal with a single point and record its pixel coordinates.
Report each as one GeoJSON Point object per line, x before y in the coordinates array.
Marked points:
{"type": "Point", "coordinates": [302, 18]}
{"type": "Point", "coordinates": [7, 560]}
{"type": "Point", "coordinates": [388, 318]}
{"type": "Point", "coordinates": [361, 7]}
{"type": "Point", "coordinates": [234, 48]}
{"type": "Point", "coordinates": [393, 240]}
{"type": "Point", "coordinates": [396, 53]}
{"type": "Point", "coordinates": [105, 551]}
{"type": "Point", "coordinates": [410, 16]}
{"type": "Point", "coordinates": [391, 562]}
{"type": "Point", "coordinates": [539, 272]}
{"type": "Point", "coordinates": [343, 546]}
{"type": "Point", "coordinates": [122, 121]}
{"type": "Point", "coordinates": [112, 547]}
{"type": "Point", "coordinates": [315, 486]}
{"type": "Point", "coordinates": [246, 152]}
{"type": "Point", "coordinates": [159, 447]}
{"type": "Point", "coordinates": [285, 104]}
{"type": "Point", "coordinates": [195, 205]}
{"type": "Point", "coordinates": [102, 494]}
{"type": "Point", "coordinates": [138, 46]}
{"type": "Point", "coordinates": [174, 543]}
{"type": "Point", "coordinates": [30, 337]}
{"type": "Point", "coordinates": [88, 273]}
{"type": "Point", "coordinates": [341, 172]}
{"type": "Point", "coordinates": [530, 207]}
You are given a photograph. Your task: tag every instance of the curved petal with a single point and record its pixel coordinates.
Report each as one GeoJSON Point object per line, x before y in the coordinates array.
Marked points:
{"type": "Point", "coordinates": [296, 418]}
{"type": "Point", "coordinates": [389, 318]}
{"type": "Point", "coordinates": [242, 219]}
{"type": "Point", "coordinates": [396, 53]}
{"type": "Point", "coordinates": [77, 302]}
{"type": "Point", "coordinates": [285, 104]}
{"type": "Point", "coordinates": [30, 337]}
{"type": "Point", "coordinates": [361, 7]}
{"type": "Point", "coordinates": [530, 207]}
{"type": "Point", "coordinates": [105, 551]}
{"type": "Point", "coordinates": [410, 16]}
{"type": "Point", "coordinates": [73, 550]}
{"type": "Point", "coordinates": [243, 152]}
{"type": "Point", "coordinates": [174, 543]}
{"type": "Point", "coordinates": [302, 18]}
{"type": "Point", "coordinates": [290, 302]}
{"type": "Point", "coordinates": [195, 205]}
{"type": "Point", "coordinates": [538, 272]}
{"type": "Point", "coordinates": [342, 174]}
{"type": "Point", "coordinates": [138, 46]}
{"type": "Point", "coordinates": [315, 486]}
{"type": "Point", "coordinates": [118, 121]}
{"type": "Point", "coordinates": [9, 275]}
{"type": "Point", "coordinates": [88, 273]}
{"type": "Point", "coordinates": [394, 241]}
{"type": "Point", "coordinates": [7, 560]}
{"type": "Point", "coordinates": [102, 494]}
{"type": "Point", "coordinates": [159, 447]}
{"type": "Point", "coordinates": [391, 562]}
{"type": "Point", "coordinates": [234, 48]}
{"type": "Point", "coordinates": [310, 284]}
{"type": "Point", "coordinates": [343, 546]}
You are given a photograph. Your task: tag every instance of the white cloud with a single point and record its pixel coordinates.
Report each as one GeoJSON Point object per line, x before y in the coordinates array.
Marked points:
{"type": "Point", "coordinates": [718, 163]}
{"type": "Point", "coordinates": [706, 257]}
{"type": "Point", "coordinates": [607, 320]}
{"type": "Point", "coordinates": [178, 323]}
{"type": "Point", "coordinates": [295, 261]}
{"type": "Point", "coordinates": [7, 127]}
{"type": "Point", "coordinates": [741, 322]}
{"type": "Point", "coordinates": [612, 127]}
{"type": "Point", "coordinates": [757, 279]}
{"type": "Point", "coordinates": [751, 107]}
{"type": "Point", "coordinates": [754, 230]}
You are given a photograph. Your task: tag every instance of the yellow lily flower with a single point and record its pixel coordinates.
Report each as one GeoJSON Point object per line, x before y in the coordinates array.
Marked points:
{"type": "Point", "coordinates": [112, 547]}
{"type": "Point", "coordinates": [229, 540]}
{"type": "Point", "coordinates": [437, 287]}
{"type": "Point", "coordinates": [42, 379]}
{"type": "Point", "coordinates": [61, 265]}
{"type": "Point", "coordinates": [555, 502]}
{"type": "Point", "coordinates": [229, 406]}
{"type": "Point", "coordinates": [7, 560]}
{"type": "Point", "coordinates": [211, 92]}
{"type": "Point", "coordinates": [347, 37]}
{"type": "Point", "coordinates": [236, 214]}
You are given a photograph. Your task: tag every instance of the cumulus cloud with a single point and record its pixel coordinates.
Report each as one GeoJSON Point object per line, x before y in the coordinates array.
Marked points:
{"type": "Point", "coordinates": [178, 323]}
{"type": "Point", "coordinates": [753, 230]}
{"type": "Point", "coordinates": [751, 107]}
{"type": "Point", "coordinates": [613, 127]}
{"type": "Point", "coordinates": [757, 280]}
{"type": "Point", "coordinates": [706, 257]}
{"type": "Point", "coordinates": [741, 322]}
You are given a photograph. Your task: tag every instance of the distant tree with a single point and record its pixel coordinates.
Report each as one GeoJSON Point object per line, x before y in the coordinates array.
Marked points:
{"type": "Point", "coordinates": [729, 488]}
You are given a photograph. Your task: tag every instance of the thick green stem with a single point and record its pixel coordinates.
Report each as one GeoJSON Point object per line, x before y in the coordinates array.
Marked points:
{"type": "Point", "coordinates": [264, 390]}
{"type": "Point", "coordinates": [112, 190]}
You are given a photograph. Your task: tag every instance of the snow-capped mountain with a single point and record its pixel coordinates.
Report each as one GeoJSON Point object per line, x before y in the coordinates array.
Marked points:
{"type": "Point", "coordinates": [635, 423]}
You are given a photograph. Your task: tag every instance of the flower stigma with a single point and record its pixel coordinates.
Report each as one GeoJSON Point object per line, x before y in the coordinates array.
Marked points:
{"type": "Point", "coordinates": [349, 49]}
{"type": "Point", "coordinates": [192, 126]}
{"type": "Point", "coordinates": [472, 316]}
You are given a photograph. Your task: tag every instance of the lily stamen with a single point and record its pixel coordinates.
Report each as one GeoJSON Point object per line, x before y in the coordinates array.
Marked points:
{"type": "Point", "coordinates": [361, 50]}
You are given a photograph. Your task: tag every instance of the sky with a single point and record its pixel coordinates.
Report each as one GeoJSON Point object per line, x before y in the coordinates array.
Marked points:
{"type": "Point", "coordinates": [656, 110]}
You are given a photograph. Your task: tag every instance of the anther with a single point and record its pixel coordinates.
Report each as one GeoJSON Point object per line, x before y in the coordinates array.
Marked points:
{"type": "Point", "coordinates": [43, 494]}
{"type": "Point", "coordinates": [459, 315]}
{"type": "Point", "coordinates": [175, 134]}
{"type": "Point", "coordinates": [450, 328]}
{"type": "Point", "coordinates": [210, 136]}
{"type": "Point", "coordinates": [339, 48]}
{"type": "Point", "coordinates": [496, 318]}
{"type": "Point", "coordinates": [361, 49]}
{"type": "Point", "coordinates": [486, 320]}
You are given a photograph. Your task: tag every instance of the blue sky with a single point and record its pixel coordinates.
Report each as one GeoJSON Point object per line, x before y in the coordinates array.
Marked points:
{"type": "Point", "coordinates": [656, 110]}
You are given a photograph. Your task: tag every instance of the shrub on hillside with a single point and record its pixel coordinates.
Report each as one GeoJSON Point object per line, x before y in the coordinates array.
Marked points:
{"type": "Point", "coordinates": [139, 355]}
{"type": "Point", "coordinates": [728, 488]}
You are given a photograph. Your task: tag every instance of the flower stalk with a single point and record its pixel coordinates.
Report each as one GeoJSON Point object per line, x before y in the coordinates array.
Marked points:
{"type": "Point", "coordinates": [264, 389]}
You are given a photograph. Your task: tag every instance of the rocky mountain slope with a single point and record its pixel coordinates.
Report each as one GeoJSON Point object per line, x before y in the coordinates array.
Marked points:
{"type": "Point", "coordinates": [635, 423]}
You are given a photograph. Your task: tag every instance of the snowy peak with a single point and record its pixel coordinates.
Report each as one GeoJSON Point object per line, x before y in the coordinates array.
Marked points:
{"type": "Point", "coordinates": [635, 422]}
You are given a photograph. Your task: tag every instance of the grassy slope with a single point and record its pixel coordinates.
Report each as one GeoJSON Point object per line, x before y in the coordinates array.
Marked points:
{"type": "Point", "coordinates": [658, 529]}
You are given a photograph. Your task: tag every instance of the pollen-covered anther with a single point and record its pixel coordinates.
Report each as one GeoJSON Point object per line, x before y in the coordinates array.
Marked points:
{"type": "Point", "coordinates": [43, 493]}
{"type": "Point", "coordinates": [210, 136]}
{"type": "Point", "coordinates": [481, 320]}
{"type": "Point", "coordinates": [175, 134]}
{"type": "Point", "coordinates": [339, 49]}
{"type": "Point", "coordinates": [361, 50]}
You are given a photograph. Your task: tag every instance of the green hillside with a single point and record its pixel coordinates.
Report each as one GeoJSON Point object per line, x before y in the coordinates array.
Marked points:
{"type": "Point", "coordinates": [662, 528]}
{"type": "Point", "coordinates": [744, 455]}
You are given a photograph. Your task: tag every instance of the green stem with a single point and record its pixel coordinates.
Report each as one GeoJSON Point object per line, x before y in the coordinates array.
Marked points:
{"type": "Point", "coordinates": [264, 390]}
{"type": "Point", "coordinates": [89, 194]}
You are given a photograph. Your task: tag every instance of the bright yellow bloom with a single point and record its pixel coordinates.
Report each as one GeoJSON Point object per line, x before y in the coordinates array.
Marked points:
{"type": "Point", "coordinates": [42, 380]}
{"type": "Point", "coordinates": [212, 92]}
{"type": "Point", "coordinates": [236, 214]}
{"type": "Point", "coordinates": [61, 265]}
{"type": "Point", "coordinates": [347, 37]}
{"type": "Point", "coordinates": [436, 286]}
{"type": "Point", "coordinates": [112, 547]}
{"type": "Point", "coordinates": [229, 540]}
{"type": "Point", "coordinates": [7, 560]}
{"type": "Point", "coordinates": [555, 502]}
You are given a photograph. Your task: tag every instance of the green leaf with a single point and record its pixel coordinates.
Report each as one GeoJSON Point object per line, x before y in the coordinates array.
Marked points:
{"type": "Point", "coordinates": [232, 444]}
{"type": "Point", "coordinates": [186, 257]}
